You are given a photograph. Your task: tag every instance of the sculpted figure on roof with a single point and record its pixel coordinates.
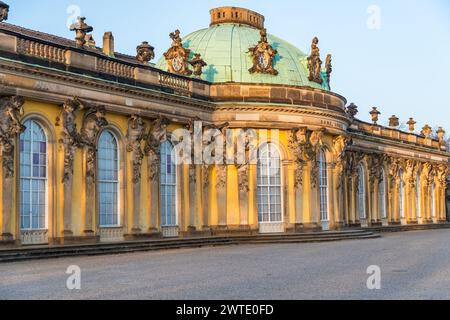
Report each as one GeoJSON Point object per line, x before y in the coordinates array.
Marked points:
{"type": "Point", "coordinates": [314, 62]}
{"type": "Point", "coordinates": [4, 11]}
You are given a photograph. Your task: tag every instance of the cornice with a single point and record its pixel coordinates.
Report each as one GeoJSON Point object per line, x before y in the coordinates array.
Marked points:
{"type": "Point", "coordinates": [304, 110]}
{"type": "Point", "coordinates": [87, 81]}
{"type": "Point", "coordinates": [397, 144]}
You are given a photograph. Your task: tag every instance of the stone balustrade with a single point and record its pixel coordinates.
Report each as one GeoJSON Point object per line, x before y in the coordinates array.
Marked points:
{"type": "Point", "coordinates": [391, 133]}
{"type": "Point", "coordinates": [115, 68]}
{"type": "Point", "coordinates": [63, 55]}
{"type": "Point", "coordinates": [175, 82]}
{"type": "Point", "coordinates": [41, 50]}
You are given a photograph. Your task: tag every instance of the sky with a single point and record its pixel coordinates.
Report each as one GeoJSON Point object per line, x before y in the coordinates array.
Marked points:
{"type": "Point", "coordinates": [390, 54]}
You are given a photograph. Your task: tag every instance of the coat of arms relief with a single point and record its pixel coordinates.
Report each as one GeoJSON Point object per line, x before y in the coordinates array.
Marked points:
{"type": "Point", "coordinates": [177, 58]}
{"type": "Point", "coordinates": [263, 56]}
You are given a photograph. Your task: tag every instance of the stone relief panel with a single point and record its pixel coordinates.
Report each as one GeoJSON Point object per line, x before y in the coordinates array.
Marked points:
{"type": "Point", "coordinates": [94, 121]}
{"type": "Point", "coordinates": [135, 137]}
{"type": "Point", "coordinates": [156, 136]}
{"type": "Point", "coordinates": [11, 110]}
{"type": "Point", "coordinates": [70, 138]}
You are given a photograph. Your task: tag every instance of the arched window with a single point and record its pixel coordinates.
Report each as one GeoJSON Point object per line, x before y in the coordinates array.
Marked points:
{"type": "Point", "coordinates": [418, 200]}
{"type": "Point", "coordinates": [400, 196]}
{"type": "Point", "coordinates": [168, 186]}
{"type": "Point", "coordinates": [433, 203]}
{"type": "Point", "coordinates": [269, 184]}
{"type": "Point", "coordinates": [33, 177]}
{"type": "Point", "coordinates": [323, 186]}
{"type": "Point", "coordinates": [362, 191]}
{"type": "Point", "coordinates": [382, 195]}
{"type": "Point", "coordinates": [108, 180]}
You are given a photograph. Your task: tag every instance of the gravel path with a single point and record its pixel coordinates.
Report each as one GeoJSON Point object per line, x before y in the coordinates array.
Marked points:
{"type": "Point", "coordinates": [414, 265]}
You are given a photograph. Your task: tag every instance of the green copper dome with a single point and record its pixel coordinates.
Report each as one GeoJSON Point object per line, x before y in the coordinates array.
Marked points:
{"type": "Point", "coordinates": [225, 48]}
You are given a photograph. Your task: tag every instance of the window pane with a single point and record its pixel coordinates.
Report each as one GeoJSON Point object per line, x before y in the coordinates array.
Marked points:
{"type": "Point", "coordinates": [33, 174]}
{"type": "Point", "coordinates": [168, 186]}
{"type": "Point", "coordinates": [108, 179]}
{"type": "Point", "coordinates": [361, 192]}
{"type": "Point", "coordinates": [382, 196]}
{"type": "Point", "coordinates": [269, 184]}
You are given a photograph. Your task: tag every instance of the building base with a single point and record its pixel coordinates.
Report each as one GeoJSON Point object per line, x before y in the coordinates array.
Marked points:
{"type": "Point", "coordinates": [68, 240]}
{"type": "Point", "coordinates": [143, 236]}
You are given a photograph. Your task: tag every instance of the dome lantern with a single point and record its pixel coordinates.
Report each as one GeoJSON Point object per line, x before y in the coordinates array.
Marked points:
{"type": "Point", "coordinates": [237, 15]}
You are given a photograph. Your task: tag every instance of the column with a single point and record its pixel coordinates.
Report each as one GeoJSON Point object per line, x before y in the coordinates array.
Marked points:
{"type": "Point", "coordinates": [297, 172]}
{"type": "Point", "coordinates": [376, 212]}
{"type": "Point", "coordinates": [396, 203]}
{"type": "Point", "coordinates": [353, 200]}
{"type": "Point", "coordinates": [314, 196]}
{"type": "Point", "coordinates": [307, 205]}
{"type": "Point", "coordinates": [427, 203]}
{"type": "Point", "coordinates": [253, 197]}
{"type": "Point", "coordinates": [244, 189]}
{"type": "Point", "coordinates": [135, 136]}
{"type": "Point", "coordinates": [285, 166]}
{"type": "Point", "coordinates": [345, 200]}
{"type": "Point", "coordinates": [69, 151]}
{"type": "Point", "coordinates": [136, 205]}
{"type": "Point", "coordinates": [221, 189]}
{"type": "Point", "coordinates": [206, 196]}
{"type": "Point", "coordinates": [421, 205]}
{"type": "Point", "coordinates": [89, 173]}
{"type": "Point", "coordinates": [390, 207]}
{"type": "Point", "coordinates": [192, 196]}
{"type": "Point", "coordinates": [442, 211]}
{"type": "Point", "coordinates": [413, 204]}
{"type": "Point", "coordinates": [199, 218]}
{"type": "Point", "coordinates": [153, 164]}
{"type": "Point", "coordinates": [7, 193]}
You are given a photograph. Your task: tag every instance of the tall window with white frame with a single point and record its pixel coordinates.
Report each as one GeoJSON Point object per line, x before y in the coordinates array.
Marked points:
{"type": "Point", "coordinates": [382, 195]}
{"type": "Point", "coordinates": [108, 180]}
{"type": "Point", "coordinates": [362, 192]}
{"type": "Point", "coordinates": [269, 184]}
{"type": "Point", "coordinates": [418, 197]}
{"type": "Point", "coordinates": [401, 188]}
{"type": "Point", "coordinates": [433, 203]}
{"type": "Point", "coordinates": [168, 181]}
{"type": "Point", "coordinates": [323, 187]}
{"type": "Point", "coordinates": [33, 177]}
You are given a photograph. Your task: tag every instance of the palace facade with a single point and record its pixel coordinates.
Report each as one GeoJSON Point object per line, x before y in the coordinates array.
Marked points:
{"type": "Point", "coordinates": [87, 138]}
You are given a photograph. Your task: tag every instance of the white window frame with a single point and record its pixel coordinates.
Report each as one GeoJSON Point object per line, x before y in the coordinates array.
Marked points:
{"type": "Point", "coordinates": [433, 202]}
{"type": "Point", "coordinates": [268, 186]}
{"type": "Point", "coordinates": [382, 195]}
{"type": "Point", "coordinates": [117, 182]}
{"type": "Point", "coordinates": [401, 193]}
{"type": "Point", "coordinates": [418, 197]}
{"type": "Point", "coordinates": [323, 187]}
{"type": "Point", "coordinates": [164, 185]}
{"type": "Point", "coordinates": [31, 178]}
{"type": "Point", "coordinates": [362, 192]}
